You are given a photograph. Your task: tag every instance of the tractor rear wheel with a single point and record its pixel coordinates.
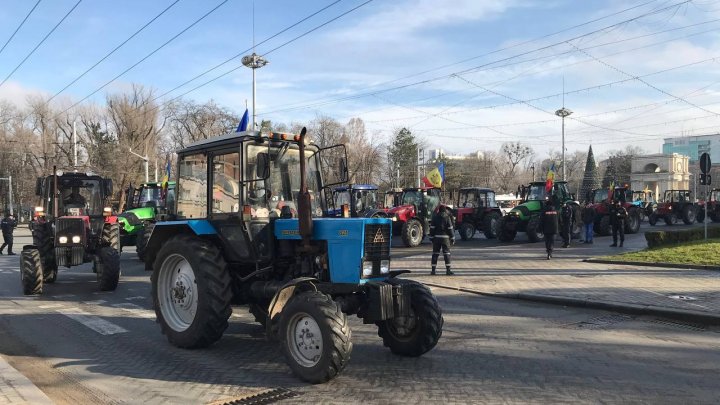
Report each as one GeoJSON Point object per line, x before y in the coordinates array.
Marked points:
{"type": "Point", "coordinates": [506, 235]}
{"type": "Point", "coordinates": [467, 230]}
{"type": "Point", "coordinates": [700, 218]}
{"type": "Point", "coordinates": [534, 230]}
{"type": "Point", "coordinates": [108, 268]}
{"type": "Point", "coordinates": [43, 239]}
{"type": "Point", "coordinates": [652, 219]}
{"type": "Point", "coordinates": [142, 239]}
{"type": "Point", "coordinates": [688, 214]}
{"type": "Point", "coordinates": [418, 333]}
{"type": "Point", "coordinates": [31, 271]}
{"type": "Point", "coordinates": [671, 219]}
{"type": "Point", "coordinates": [191, 292]}
{"type": "Point", "coordinates": [315, 337]}
{"type": "Point", "coordinates": [603, 228]}
{"type": "Point", "coordinates": [111, 236]}
{"type": "Point", "coordinates": [491, 225]}
{"type": "Point", "coordinates": [412, 233]}
{"type": "Point", "coordinates": [632, 225]}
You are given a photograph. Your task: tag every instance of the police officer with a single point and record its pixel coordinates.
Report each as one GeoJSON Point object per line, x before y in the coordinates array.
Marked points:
{"type": "Point", "coordinates": [442, 234]}
{"type": "Point", "coordinates": [618, 215]}
{"type": "Point", "coordinates": [549, 222]}
{"type": "Point", "coordinates": [8, 225]}
{"type": "Point", "coordinates": [566, 223]}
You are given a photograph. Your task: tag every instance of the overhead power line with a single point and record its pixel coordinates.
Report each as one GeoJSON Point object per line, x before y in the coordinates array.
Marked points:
{"type": "Point", "coordinates": [19, 26]}
{"type": "Point", "coordinates": [114, 50]}
{"type": "Point", "coordinates": [40, 43]}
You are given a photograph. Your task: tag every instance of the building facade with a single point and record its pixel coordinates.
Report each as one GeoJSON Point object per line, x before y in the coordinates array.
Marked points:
{"type": "Point", "coordinates": [660, 172]}
{"type": "Point", "coordinates": [694, 146]}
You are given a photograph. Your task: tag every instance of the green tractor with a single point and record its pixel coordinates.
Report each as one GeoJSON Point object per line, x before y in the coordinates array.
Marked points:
{"type": "Point", "coordinates": [146, 204]}
{"type": "Point", "coordinates": [526, 216]}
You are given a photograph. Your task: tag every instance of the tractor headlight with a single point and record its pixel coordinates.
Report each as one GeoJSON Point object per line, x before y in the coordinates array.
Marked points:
{"type": "Point", "coordinates": [385, 266]}
{"type": "Point", "coordinates": [75, 239]}
{"type": "Point", "coordinates": [394, 219]}
{"type": "Point", "coordinates": [367, 269]}
{"type": "Point", "coordinates": [62, 239]}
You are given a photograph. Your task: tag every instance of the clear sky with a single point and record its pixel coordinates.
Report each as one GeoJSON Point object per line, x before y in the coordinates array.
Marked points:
{"type": "Point", "coordinates": [462, 74]}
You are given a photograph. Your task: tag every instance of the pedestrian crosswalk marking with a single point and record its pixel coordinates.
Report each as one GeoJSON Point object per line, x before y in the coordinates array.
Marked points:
{"type": "Point", "coordinates": [93, 322]}
{"type": "Point", "coordinates": [49, 306]}
{"type": "Point", "coordinates": [136, 310]}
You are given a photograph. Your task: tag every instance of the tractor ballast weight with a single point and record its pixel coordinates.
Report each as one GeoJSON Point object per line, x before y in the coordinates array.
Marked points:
{"type": "Point", "coordinates": [249, 229]}
{"type": "Point", "coordinates": [73, 225]}
{"type": "Point", "coordinates": [476, 210]}
{"type": "Point", "coordinates": [412, 217]}
{"type": "Point", "coordinates": [601, 202]}
{"type": "Point", "coordinates": [526, 216]}
{"type": "Point", "coordinates": [676, 205]}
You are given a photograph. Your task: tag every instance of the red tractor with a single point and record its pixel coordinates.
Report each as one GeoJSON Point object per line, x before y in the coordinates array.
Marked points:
{"type": "Point", "coordinates": [713, 207]}
{"type": "Point", "coordinates": [601, 202]}
{"type": "Point", "coordinates": [412, 216]}
{"type": "Point", "coordinates": [676, 205]}
{"type": "Point", "coordinates": [476, 210]}
{"type": "Point", "coordinates": [73, 225]}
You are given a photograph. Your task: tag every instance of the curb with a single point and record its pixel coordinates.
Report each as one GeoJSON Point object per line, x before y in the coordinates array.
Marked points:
{"type": "Point", "coordinates": [625, 308]}
{"type": "Point", "coordinates": [651, 264]}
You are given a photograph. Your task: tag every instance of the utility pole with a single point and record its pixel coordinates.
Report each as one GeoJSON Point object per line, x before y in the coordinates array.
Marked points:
{"type": "Point", "coordinates": [75, 150]}
{"type": "Point", "coordinates": [254, 62]}
{"type": "Point", "coordinates": [147, 168]}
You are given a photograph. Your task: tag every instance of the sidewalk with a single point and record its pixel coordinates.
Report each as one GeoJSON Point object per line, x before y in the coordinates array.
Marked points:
{"type": "Point", "coordinates": [520, 270]}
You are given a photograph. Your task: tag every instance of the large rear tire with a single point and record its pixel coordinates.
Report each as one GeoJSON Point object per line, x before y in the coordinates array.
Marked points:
{"type": "Point", "coordinates": [111, 236]}
{"type": "Point", "coordinates": [491, 225]}
{"type": "Point", "coordinates": [191, 292]}
{"type": "Point", "coordinates": [603, 227]}
{"type": "Point", "coordinates": [417, 334]}
{"type": "Point", "coordinates": [142, 239]}
{"type": "Point", "coordinates": [652, 219]}
{"type": "Point", "coordinates": [44, 240]}
{"type": "Point", "coordinates": [700, 218]}
{"type": "Point", "coordinates": [108, 269]}
{"type": "Point", "coordinates": [315, 337]}
{"type": "Point", "coordinates": [688, 214]}
{"type": "Point", "coordinates": [534, 230]}
{"type": "Point", "coordinates": [632, 225]}
{"type": "Point", "coordinates": [467, 231]}
{"type": "Point", "coordinates": [671, 219]}
{"type": "Point", "coordinates": [31, 271]}
{"type": "Point", "coordinates": [412, 233]}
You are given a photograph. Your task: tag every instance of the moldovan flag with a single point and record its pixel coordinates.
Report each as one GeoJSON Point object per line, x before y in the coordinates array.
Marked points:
{"type": "Point", "coordinates": [550, 179]}
{"type": "Point", "coordinates": [611, 193]}
{"type": "Point", "coordinates": [436, 177]}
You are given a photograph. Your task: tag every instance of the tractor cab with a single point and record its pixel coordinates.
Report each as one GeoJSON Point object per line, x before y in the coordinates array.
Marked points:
{"type": "Point", "coordinates": [477, 209]}
{"type": "Point", "coordinates": [152, 194]}
{"type": "Point", "coordinates": [676, 205]}
{"type": "Point", "coordinates": [360, 200]}
{"type": "Point", "coordinates": [412, 215]}
{"type": "Point", "coordinates": [601, 200]}
{"type": "Point", "coordinates": [146, 204]}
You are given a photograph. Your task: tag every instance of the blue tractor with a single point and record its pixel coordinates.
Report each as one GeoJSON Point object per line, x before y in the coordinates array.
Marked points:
{"type": "Point", "coordinates": [361, 200]}
{"type": "Point", "coordinates": [248, 229]}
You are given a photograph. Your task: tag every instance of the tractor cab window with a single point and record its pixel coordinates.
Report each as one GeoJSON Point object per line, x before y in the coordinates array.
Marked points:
{"type": "Point", "coordinates": [536, 193]}
{"type": "Point", "coordinates": [600, 195]}
{"type": "Point", "coordinates": [341, 197]}
{"type": "Point", "coordinates": [269, 197]}
{"type": "Point", "coordinates": [490, 198]}
{"type": "Point", "coordinates": [149, 196]}
{"type": "Point", "coordinates": [469, 200]}
{"type": "Point", "coordinates": [368, 199]}
{"type": "Point", "coordinates": [79, 197]}
{"type": "Point", "coordinates": [411, 198]}
{"type": "Point", "coordinates": [192, 187]}
{"type": "Point", "coordinates": [226, 183]}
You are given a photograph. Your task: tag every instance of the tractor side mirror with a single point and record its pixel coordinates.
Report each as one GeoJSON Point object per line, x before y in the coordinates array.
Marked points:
{"type": "Point", "coordinates": [39, 186]}
{"type": "Point", "coordinates": [343, 170]}
{"type": "Point", "coordinates": [108, 187]}
{"type": "Point", "coordinates": [263, 166]}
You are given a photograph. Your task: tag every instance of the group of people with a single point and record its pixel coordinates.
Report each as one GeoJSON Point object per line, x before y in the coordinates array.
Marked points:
{"type": "Point", "coordinates": [551, 224]}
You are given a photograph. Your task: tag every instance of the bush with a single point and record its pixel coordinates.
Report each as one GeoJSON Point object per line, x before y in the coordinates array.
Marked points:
{"type": "Point", "coordinates": [663, 238]}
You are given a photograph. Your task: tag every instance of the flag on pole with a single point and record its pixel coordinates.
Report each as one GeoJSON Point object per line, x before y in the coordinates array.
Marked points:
{"type": "Point", "coordinates": [550, 179]}
{"type": "Point", "coordinates": [435, 177]}
{"type": "Point", "coordinates": [611, 191]}
{"type": "Point", "coordinates": [168, 169]}
{"type": "Point", "coordinates": [243, 122]}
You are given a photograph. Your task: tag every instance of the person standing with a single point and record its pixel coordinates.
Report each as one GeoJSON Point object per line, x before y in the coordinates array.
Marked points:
{"type": "Point", "coordinates": [618, 215]}
{"type": "Point", "coordinates": [8, 225]}
{"type": "Point", "coordinates": [566, 221]}
{"type": "Point", "coordinates": [442, 234]}
{"type": "Point", "coordinates": [588, 217]}
{"type": "Point", "coordinates": [549, 221]}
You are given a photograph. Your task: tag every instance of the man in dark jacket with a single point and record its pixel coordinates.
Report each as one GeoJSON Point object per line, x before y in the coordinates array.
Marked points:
{"type": "Point", "coordinates": [588, 217]}
{"type": "Point", "coordinates": [549, 221]}
{"type": "Point", "coordinates": [442, 234]}
{"type": "Point", "coordinates": [566, 221]}
{"type": "Point", "coordinates": [618, 215]}
{"type": "Point", "coordinates": [8, 225]}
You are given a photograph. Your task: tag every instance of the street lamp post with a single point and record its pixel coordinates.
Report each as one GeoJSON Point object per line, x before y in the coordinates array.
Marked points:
{"type": "Point", "coordinates": [147, 169]}
{"type": "Point", "coordinates": [254, 61]}
{"type": "Point", "coordinates": [563, 112]}
{"type": "Point", "coordinates": [533, 171]}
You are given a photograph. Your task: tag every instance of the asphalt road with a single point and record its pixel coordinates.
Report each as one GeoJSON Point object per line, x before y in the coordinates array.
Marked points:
{"type": "Point", "coordinates": [80, 346]}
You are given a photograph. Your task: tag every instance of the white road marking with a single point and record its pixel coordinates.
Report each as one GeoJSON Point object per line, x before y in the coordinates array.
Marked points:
{"type": "Point", "coordinates": [136, 298]}
{"type": "Point", "coordinates": [96, 302]}
{"type": "Point", "coordinates": [48, 306]}
{"type": "Point", "coordinates": [64, 296]}
{"type": "Point", "coordinates": [136, 310]}
{"type": "Point", "coordinates": [93, 322]}
{"type": "Point", "coordinates": [15, 385]}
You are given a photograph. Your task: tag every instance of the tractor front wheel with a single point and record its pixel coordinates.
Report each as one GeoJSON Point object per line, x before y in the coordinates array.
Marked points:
{"type": "Point", "coordinates": [506, 235]}
{"type": "Point", "coordinates": [191, 292]}
{"type": "Point", "coordinates": [603, 227]}
{"type": "Point", "coordinates": [412, 233]}
{"type": "Point", "coordinates": [671, 219]}
{"type": "Point", "coordinates": [142, 239]}
{"type": "Point", "coordinates": [467, 230]}
{"type": "Point", "coordinates": [108, 268]}
{"type": "Point", "coordinates": [652, 219]}
{"type": "Point", "coordinates": [31, 271]}
{"type": "Point", "coordinates": [491, 225]}
{"type": "Point", "coordinates": [688, 214]}
{"type": "Point", "coordinates": [43, 239]}
{"type": "Point", "coordinates": [418, 333]}
{"type": "Point", "coordinates": [111, 236]}
{"type": "Point", "coordinates": [700, 218]}
{"type": "Point", "coordinates": [632, 225]}
{"type": "Point", "coordinates": [315, 337]}
{"type": "Point", "coordinates": [534, 230]}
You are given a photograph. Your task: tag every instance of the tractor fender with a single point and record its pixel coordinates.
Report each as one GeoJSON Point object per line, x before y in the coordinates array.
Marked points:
{"type": "Point", "coordinates": [165, 230]}
{"type": "Point", "coordinates": [282, 297]}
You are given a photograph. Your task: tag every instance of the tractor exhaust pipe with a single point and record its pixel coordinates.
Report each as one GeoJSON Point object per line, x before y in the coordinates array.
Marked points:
{"type": "Point", "coordinates": [55, 192]}
{"type": "Point", "coordinates": [304, 203]}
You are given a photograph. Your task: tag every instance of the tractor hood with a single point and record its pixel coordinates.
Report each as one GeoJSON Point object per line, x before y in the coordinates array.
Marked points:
{"type": "Point", "coordinates": [524, 210]}
{"type": "Point", "coordinates": [402, 212]}
{"type": "Point", "coordinates": [134, 217]}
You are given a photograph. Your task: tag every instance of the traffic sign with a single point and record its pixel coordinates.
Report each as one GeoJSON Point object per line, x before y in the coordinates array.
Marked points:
{"type": "Point", "coordinates": [705, 163]}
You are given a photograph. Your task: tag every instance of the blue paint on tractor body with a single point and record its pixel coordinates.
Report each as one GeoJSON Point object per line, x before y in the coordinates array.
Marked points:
{"type": "Point", "coordinates": [198, 226]}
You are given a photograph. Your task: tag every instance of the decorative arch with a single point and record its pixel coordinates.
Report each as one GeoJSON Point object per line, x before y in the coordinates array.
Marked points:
{"type": "Point", "coordinates": [651, 168]}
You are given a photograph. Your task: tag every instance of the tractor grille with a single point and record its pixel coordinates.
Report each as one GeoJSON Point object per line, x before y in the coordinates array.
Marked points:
{"type": "Point", "coordinates": [70, 226]}
{"type": "Point", "coordinates": [377, 242]}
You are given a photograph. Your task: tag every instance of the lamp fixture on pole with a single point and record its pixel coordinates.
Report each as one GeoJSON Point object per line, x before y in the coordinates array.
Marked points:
{"type": "Point", "coordinates": [562, 113]}
{"type": "Point", "coordinates": [254, 61]}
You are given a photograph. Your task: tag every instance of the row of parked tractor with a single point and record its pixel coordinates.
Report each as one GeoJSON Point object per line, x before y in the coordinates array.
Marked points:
{"type": "Point", "coordinates": [244, 221]}
{"type": "Point", "coordinates": [476, 210]}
